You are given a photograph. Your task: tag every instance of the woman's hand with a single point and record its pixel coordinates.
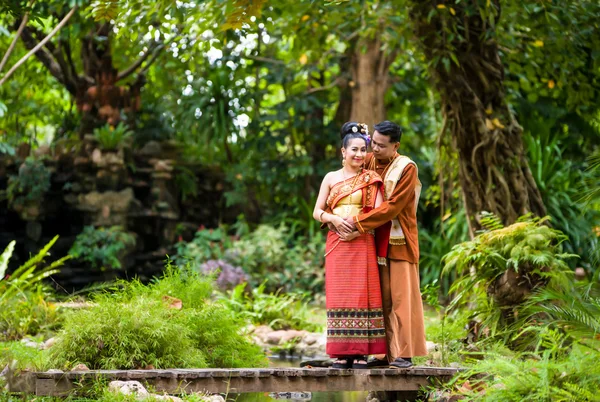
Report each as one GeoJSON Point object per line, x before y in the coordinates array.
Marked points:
{"type": "Point", "coordinates": [350, 236]}
{"type": "Point", "coordinates": [342, 227]}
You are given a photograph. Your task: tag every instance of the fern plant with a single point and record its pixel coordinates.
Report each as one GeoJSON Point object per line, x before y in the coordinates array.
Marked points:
{"type": "Point", "coordinates": [575, 311]}
{"type": "Point", "coordinates": [111, 137]}
{"type": "Point", "coordinates": [501, 266]}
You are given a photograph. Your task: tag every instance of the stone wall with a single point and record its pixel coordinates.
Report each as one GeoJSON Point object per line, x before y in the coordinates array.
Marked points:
{"type": "Point", "coordinates": [134, 189]}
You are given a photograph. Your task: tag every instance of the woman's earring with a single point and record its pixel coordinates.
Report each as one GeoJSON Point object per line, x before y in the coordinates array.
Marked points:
{"type": "Point", "coordinates": [343, 162]}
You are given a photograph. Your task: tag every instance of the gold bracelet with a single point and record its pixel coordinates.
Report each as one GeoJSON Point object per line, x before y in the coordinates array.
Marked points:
{"type": "Point", "coordinates": [321, 217]}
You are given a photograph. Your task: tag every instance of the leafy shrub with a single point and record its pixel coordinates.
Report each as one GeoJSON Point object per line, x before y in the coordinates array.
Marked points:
{"type": "Point", "coordinates": [23, 306]}
{"type": "Point", "coordinates": [500, 268]}
{"type": "Point", "coordinates": [208, 244]}
{"type": "Point", "coordinates": [126, 334]}
{"type": "Point", "coordinates": [554, 374]}
{"type": "Point", "coordinates": [279, 311]}
{"type": "Point", "coordinates": [264, 253]}
{"type": "Point", "coordinates": [31, 184]}
{"type": "Point", "coordinates": [110, 137]}
{"type": "Point", "coordinates": [561, 183]}
{"type": "Point", "coordinates": [138, 325]}
{"type": "Point", "coordinates": [20, 356]}
{"type": "Point", "coordinates": [435, 243]}
{"type": "Point", "coordinates": [228, 275]}
{"type": "Point", "coordinates": [260, 252]}
{"type": "Point", "coordinates": [102, 247]}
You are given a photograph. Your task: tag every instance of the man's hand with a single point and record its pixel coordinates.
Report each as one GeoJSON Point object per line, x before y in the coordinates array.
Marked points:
{"type": "Point", "coordinates": [350, 236]}
{"type": "Point", "coordinates": [350, 221]}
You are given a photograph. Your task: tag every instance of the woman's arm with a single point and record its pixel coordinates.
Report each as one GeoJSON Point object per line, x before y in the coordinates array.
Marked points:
{"type": "Point", "coordinates": [319, 213]}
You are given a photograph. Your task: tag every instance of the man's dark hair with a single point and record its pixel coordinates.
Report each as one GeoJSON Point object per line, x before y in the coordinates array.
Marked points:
{"type": "Point", "coordinates": [389, 129]}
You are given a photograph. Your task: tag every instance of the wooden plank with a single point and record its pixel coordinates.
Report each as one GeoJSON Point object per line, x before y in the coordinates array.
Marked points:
{"type": "Point", "coordinates": [247, 380]}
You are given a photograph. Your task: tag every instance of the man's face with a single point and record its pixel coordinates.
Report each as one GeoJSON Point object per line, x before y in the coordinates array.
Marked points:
{"type": "Point", "coordinates": [382, 147]}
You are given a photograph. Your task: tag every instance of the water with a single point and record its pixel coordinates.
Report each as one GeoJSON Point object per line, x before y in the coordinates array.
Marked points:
{"type": "Point", "coordinates": [300, 395]}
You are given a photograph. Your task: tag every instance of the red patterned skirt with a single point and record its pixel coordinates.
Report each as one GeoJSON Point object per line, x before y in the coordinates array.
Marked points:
{"type": "Point", "coordinates": [353, 298]}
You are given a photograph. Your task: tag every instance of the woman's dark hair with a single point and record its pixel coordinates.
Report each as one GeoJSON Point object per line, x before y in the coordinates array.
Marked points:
{"type": "Point", "coordinates": [347, 133]}
{"type": "Point", "coordinates": [390, 129]}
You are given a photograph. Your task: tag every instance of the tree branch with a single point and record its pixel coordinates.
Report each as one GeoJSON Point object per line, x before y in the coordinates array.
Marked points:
{"type": "Point", "coordinates": [39, 45]}
{"type": "Point", "coordinates": [14, 42]}
{"type": "Point", "coordinates": [265, 59]}
{"type": "Point", "coordinates": [326, 87]}
{"type": "Point", "coordinates": [43, 54]}
{"type": "Point", "coordinates": [154, 52]}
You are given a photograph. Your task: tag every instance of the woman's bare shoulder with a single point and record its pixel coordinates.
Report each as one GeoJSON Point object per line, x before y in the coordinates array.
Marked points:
{"type": "Point", "coordinates": [331, 177]}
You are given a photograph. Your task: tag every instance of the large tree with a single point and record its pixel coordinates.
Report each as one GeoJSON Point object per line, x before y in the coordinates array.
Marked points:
{"type": "Point", "coordinates": [460, 43]}
{"type": "Point", "coordinates": [103, 76]}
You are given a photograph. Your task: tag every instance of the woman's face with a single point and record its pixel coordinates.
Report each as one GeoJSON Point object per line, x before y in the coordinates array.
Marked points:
{"type": "Point", "coordinates": [355, 152]}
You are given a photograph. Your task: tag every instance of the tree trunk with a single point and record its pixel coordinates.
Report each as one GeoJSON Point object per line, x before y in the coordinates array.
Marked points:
{"type": "Point", "coordinates": [493, 171]}
{"type": "Point", "coordinates": [370, 78]}
{"type": "Point", "coordinates": [95, 89]}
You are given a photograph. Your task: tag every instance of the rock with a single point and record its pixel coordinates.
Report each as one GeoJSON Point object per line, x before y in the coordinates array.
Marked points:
{"type": "Point", "coordinates": [165, 398]}
{"type": "Point", "coordinates": [49, 343]}
{"type": "Point", "coordinates": [163, 166]}
{"type": "Point", "coordinates": [274, 338]}
{"type": "Point", "coordinates": [55, 371]}
{"type": "Point", "coordinates": [431, 347]}
{"type": "Point", "coordinates": [580, 273]}
{"type": "Point", "coordinates": [80, 367]}
{"type": "Point", "coordinates": [116, 202]}
{"type": "Point", "coordinates": [97, 156]}
{"type": "Point", "coordinates": [293, 334]}
{"type": "Point", "coordinates": [151, 148]}
{"type": "Point", "coordinates": [213, 398]}
{"type": "Point", "coordinates": [30, 343]}
{"type": "Point", "coordinates": [261, 331]}
{"type": "Point", "coordinates": [128, 388]}
{"type": "Point", "coordinates": [310, 339]}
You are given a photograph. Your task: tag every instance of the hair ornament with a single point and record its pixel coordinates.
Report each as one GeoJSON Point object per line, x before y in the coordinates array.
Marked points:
{"type": "Point", "coordinates": [364, 130]}
{"type": "Point", "coordinates": [355, 129]}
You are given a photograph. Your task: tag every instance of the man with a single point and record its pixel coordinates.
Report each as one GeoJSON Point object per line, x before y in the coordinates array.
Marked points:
{"type": "Point", "coordinates": [399, 272]}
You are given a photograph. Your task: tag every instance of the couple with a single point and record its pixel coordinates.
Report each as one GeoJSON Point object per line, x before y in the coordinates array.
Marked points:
{"type": "Point", "coordinates": [372, 290]}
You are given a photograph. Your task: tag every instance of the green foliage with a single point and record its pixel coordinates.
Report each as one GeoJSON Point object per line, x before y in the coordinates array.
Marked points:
{"type": "Point", "coordinates": [20, 357]}
{"type": "Point", "coordinates": [102, 247]}
{"type": "Point", "coordinates": [554, 374]}
{"type": "Point", "coordinates": [288, 263]}
{"type": "Point", "coordinates": [23, 309]}
{"type": "Point", "coordinates": [528, 247]}
{"type": "Point", "coordinates": [207, 244]}
{"type": "Point", "coordinates": [261, 252]}
{"type": "Point", "coordinates": [277, 310]}
{"type": "Point", "coordinates": [138, 325]}
{"type": "Point", "coordinates": [117, 333]}
{"type": "Point", "coordinates": [574, 311]}
{"type": "Point", "coordinates": [561, 182]}
{"type": "Point", "coordinates": [31, 184]}
{"type": "Point", "coordinates": [499, 268]}
{"type": "Point", "coordinates": [435, 243]}
{"type": "Point", "coordinates": [111, 137]}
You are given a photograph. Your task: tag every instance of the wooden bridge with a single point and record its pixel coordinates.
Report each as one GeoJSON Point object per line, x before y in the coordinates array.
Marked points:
{"type": "Point", "coordinates": [178, 381]}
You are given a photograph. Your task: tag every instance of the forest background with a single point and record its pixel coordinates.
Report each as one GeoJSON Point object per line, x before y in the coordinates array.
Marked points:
{"type": "Point", "coordinates": [217, 120]}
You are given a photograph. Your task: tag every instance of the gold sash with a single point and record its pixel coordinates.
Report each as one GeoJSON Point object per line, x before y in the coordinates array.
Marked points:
{"type": "Point", "coordinates": [389, 183]}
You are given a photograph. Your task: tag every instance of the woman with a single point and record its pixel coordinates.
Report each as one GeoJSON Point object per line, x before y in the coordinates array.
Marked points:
{"type": "Point", "coordinates": [353, 296]}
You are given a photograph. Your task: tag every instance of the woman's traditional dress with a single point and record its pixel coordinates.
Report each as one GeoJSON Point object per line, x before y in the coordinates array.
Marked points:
{"type": "Point", "coordinates": [353, 294]}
